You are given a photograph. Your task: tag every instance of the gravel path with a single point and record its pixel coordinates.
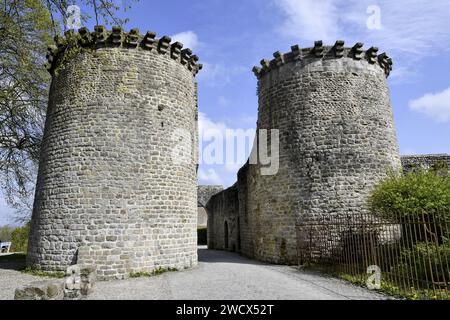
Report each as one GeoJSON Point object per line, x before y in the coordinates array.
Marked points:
{"type": "Point", "coordinates": [219, 275]}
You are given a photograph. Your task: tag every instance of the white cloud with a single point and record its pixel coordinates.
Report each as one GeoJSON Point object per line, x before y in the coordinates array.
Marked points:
{"type": "Point", "coordinates": [410, 29]}
{"type": "Point", "coordinates": [189, 39]}
{"type": "Point", "coordinates": [215, 75]}
{"type": "Point", "coordinates": [206, 126]}
{"type": "Point", "coordinates": [223, 102]}
{"type": "Point", "coordinates": [309, 19]}
{"type": "Point", "coordinates": [434, 105]}
{"type": "Point", "coordinates": [209, 176]}
{"type": "Point", "coordinates": [223, 173]}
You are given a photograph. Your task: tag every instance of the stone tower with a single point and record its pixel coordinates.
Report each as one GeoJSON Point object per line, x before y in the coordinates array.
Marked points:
{"type": "Point", "coordinates": [109, 191]}
{"type": "Point", "coordinates": [331, 105]}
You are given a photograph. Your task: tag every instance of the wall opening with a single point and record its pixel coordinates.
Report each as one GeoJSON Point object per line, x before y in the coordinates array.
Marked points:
{"type": "Point", "coordinates": [225, 232]}
{"type": "Point", "coordinates": [202, 222]}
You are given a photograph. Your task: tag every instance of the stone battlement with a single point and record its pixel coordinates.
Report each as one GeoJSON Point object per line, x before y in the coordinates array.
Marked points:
{"type": "Point", "coordinates": [118, 38]}
{"type": "Point", "coordinates": [321, 52]}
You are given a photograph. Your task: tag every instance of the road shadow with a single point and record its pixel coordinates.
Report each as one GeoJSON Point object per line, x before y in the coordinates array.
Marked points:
{"type": "Point", "coordinates": [16, 261]}
{"type": "Point", "coordinates": [206, 255]}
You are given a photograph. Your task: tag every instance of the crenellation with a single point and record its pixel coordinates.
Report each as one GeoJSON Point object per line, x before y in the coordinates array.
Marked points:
{"type": "Point", "coordinates": [323, 54]}
{"type": "Point", "coordinates": [358, 51]}
{"type": "Point", "coordinates": [116, 36]}
{"type": "Point", "coordinates": [85, 37]}
{"type": "Point", "coordinates": [149, 40]}
{"type": "Point", "coordinates": [371, 54]}
{"type": "Point", "coordinates": [175, 50]}
{"type": "Point", "coordinates": [132, 38]}
{"type": "Point", "coordinates": [318, 49]}
{"type": "Point", "coordinates": [164, 44]}
{"type": "Point", "coordinates": [101, 38]}
{"type": "Point", "coordinates": [265, 65]}
{"type": "Point", "coordinates": [339, 49]}
{"type": "Point", "coordinates": [186, 55]}
{"type": "Point", "coordinates": [279, 58]}
{"type": "Point", "coordinates": [296, 52]}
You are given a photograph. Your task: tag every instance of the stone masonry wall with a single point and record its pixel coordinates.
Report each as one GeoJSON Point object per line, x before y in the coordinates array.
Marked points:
{"type": "Point", "coordinates": [106, 180]}
{"type": "Point", "coordinates": [223, 223]}
{"type": "Point", "coordinates": [205, 192]}
{"type": "Point", "coordinates": [425, 161]}
{"type": "Point", "coordinates": [332, 108]}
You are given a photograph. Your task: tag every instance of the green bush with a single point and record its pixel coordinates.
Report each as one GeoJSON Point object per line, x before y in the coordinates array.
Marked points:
{"type": "Point", "coordinates": [402, 196]}
{"type": "Point", "coordinates": [19, 238]}
{"type": "Point", "coordinates": [425, 262]}
{"type": "Point", "coordinates": [202, 236]}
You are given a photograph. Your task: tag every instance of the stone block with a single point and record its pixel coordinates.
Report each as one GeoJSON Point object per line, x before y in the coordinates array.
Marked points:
{"type": "Point", "coordinates": [41, 290]}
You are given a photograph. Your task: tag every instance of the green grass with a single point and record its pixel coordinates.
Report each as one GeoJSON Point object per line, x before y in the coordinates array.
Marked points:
{"type": "Point", "coordinates": [40, 273]}
{"type": "Point", "coordinates": [395, 291]}
{"type": "Point", "coordinates": [387, 287]}
{"type": "Point", "coordinates": [153, 273]}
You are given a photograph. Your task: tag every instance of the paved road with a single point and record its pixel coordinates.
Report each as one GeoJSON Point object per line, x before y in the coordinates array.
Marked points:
{"type": "Point", "coordinates": [219, 275]}
{"type": "Point", "coordinates": [224, 275]}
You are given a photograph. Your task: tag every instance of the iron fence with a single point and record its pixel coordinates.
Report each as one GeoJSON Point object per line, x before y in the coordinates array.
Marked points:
{"type": "Point", "coordinates": [411, 251]}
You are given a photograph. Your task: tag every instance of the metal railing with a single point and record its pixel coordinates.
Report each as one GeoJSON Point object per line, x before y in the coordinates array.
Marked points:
{"type": "Point", "coordinates": [411, 251]}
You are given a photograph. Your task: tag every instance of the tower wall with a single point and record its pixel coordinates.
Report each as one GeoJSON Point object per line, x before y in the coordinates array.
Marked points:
{"type": "Point", "coordinates": [332, 108]}
{"type": "Point", "coordinates": [108, 191]}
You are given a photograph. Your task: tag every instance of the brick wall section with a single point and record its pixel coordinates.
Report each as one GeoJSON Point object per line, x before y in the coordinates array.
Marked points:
{"type": "Point", "coordinates": [332, 108]}
{"type": "Point", "coordinates": [106, 181]}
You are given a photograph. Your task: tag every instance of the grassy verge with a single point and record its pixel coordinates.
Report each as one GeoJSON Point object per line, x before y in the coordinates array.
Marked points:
{"type": "Point", "coordinates": [20, 258]}
{"type": "Point", "coordinates": [387, 287]}
{"type": "Point", "coordinates": [397, 292]}
{"type": "Point", "coordinates": [155, 272]}
{"type": "Point", "coordinates": [40, 273]}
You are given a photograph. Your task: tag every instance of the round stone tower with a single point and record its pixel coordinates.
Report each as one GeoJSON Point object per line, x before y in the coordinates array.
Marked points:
{"type": "Point", "coordinates": [337, 139]}
{"type": "Point", "coordinates": [109, 190]}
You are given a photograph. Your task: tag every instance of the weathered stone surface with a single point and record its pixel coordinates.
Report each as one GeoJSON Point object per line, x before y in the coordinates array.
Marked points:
{"type": "Point", "coordinates": [223, 230]}
{"type": "Point", "coordinates": [80, 281]}
{"type": "Point", "coordinates": [425, 161]}
{"type": "Point", "coordinates": [205, 192]}
{"type": "Point", "coordinates": [332, 108]}
{"type": "Point", "coordinates": [107, 179]}
{"type": "Point", "coordinates": [41, 290]}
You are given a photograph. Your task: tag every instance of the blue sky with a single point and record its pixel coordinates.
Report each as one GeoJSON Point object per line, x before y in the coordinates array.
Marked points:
{"type": "Point", "coordinates": [232, 36]}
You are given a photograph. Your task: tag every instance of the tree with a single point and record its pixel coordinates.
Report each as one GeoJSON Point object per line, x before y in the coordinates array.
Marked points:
{"type": "Point", "coordinates": [5, 233]}
{"type": "Point", "coordinates": [27, 27]}
{"type": "Point", "coordinates": [19, 238]}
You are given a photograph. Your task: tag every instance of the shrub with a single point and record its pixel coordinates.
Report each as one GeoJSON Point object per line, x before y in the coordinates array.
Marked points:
{"type": "Point", "coordinates": [425, 262]}
{"type": "Point", "coordinates": [412, 194]}
{"type": "Point", "coordinates": [19, 238]}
